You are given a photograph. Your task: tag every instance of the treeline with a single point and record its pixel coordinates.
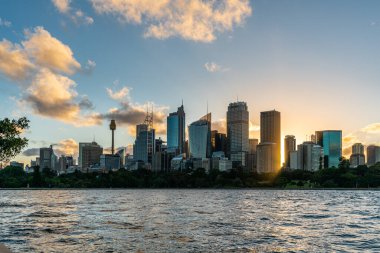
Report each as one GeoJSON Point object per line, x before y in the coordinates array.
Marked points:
{"type": "Point", "coordinates": [342, 177]}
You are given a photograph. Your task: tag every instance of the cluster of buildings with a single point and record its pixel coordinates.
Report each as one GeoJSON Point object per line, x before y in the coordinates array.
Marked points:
{"type": "Point", "coordinates": [210, 149]}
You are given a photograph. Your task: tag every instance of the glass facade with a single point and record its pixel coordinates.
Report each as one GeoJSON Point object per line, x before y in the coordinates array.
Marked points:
{"type": "Point", "coordinates": [200, 139]}
{"type": "Point", "coordinates": [176, 130]}
{"type": "Point", "coordinates": [331, 141]}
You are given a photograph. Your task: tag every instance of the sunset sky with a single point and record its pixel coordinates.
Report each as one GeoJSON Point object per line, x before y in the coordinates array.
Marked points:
{"type": "Point", "coordinates": [70, 66]}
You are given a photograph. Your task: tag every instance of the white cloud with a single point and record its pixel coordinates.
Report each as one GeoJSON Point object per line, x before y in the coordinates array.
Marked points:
{"type": "Point", "coordinates": [5, 23]}
{"type": "Point", "coordinates": [197, 20]}
{"type": "Point", "coordinates": [119, 95]}
{"type": "Point", "coordinates": [214, 67]}
{"type": "Point", "coordinates": [62, 6]}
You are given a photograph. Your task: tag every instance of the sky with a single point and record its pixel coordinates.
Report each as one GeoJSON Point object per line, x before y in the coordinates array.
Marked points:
{"type": "Point", "coordinates": [71, 66]}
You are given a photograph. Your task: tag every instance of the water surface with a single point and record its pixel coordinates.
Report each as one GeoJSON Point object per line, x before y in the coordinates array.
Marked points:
{"type": "Point", "coordinates": [190, 221]}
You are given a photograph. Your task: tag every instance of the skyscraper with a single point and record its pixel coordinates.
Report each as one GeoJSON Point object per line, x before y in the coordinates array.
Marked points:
{"type": "Point", "coordinates": [252, 155]}
{"type": "Point", "coordinates": [46, 158]}
{"type": "Point", "coordinates": [218, 141]}
{"type": "Point", "coordinates": [373, 155]}
{"type": "Point", "coordinates": [270, 132]}
{"type": "Point", "coordinates": [176, 130]}
{"type": "Point", "coordinates": [238, 132]}
{"type": "Point", "coordinates": [266, 157]}
{"type": "Point", "coordinates": [309, 156]}
{"type": "Point", "coordinates": [290, 145]}
{"type": "Point", "coordinates": [144, 146]}
{"type": "Point", "coordinates": [89, 154]}
{"type": "Point", "coordinates": [200, 137]}
{"type": "Point", "coordinates": [357, 157]}
{"type": "Point", "coordinates": [331, 141]}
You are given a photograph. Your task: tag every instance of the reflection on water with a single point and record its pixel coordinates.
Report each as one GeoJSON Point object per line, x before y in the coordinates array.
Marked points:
{"type": "Point", "coordinates": [189, 220]}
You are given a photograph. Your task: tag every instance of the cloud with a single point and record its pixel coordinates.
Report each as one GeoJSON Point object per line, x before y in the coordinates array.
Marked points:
{"type": "Point", "coordinates": [130, 114]}
{"type": "Point", "coordinates": [76, 15]}
{"type": "Point", "coordinates": [214, 67]}
{"type": "Point", "coordinates": [85, 103]}
{"type": "Point", "coordinates": [14, 61]}
{"type": "Point", "coordinates": [31, 152]}
{"type": "Point", "coordinates": [66, 147]}
{"type": "Point", "coordinates": [121, 94]}
{"type": "Point", "coordinates": [196, 20]}
{"type": "Point", "coordinates": [49, 52]}
{"type": "Point", "coordinates": [89, 67]}
{"type": "Point", "coordinates": [368, 135]}
{"type": "Point", "coordinates": [5, 23]}
{"type": "Point", "coordinates": [372, 128]}
{"type": "Point", "coordinates": [63, 6]}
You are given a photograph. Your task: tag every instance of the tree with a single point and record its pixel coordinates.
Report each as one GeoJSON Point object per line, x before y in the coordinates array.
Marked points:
{"type": "Point", "coordinates": [11, 143]}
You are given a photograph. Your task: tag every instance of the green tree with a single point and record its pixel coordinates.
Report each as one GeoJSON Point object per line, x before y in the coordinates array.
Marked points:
{"type": "Point", "coordinates": [11, 142]}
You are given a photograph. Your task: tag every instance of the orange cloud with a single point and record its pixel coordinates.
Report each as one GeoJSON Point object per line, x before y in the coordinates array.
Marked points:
{"type": "Point", "coordinates": [76, 15]}
{"type": "Point", "coordinates": [49, 52]}
{"type": "Point", "coordinates": [67, 147]}
{"type": "Point", "coordinates": [14, 62]}
{"type": "Point", "coordinates": [195, 20]}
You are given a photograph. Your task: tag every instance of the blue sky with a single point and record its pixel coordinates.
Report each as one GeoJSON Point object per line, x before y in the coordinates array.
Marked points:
{"type": "Point", "coordinates": [317, 62]}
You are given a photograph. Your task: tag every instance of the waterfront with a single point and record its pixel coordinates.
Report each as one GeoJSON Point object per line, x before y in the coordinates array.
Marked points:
{"type": "Point", "coordinates": [189, 220]}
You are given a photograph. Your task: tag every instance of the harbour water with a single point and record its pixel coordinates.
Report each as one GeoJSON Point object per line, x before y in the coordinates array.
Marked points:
{"type": "Point", "coordinates": [190, 220]}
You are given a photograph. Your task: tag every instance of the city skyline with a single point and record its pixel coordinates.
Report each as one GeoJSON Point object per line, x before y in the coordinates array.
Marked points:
{"type": "Point", "coordinates": [252, 57]}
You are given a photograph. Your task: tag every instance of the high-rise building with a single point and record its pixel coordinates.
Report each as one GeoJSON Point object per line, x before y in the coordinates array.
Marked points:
{"type": "Point", "coordinates": [357, 157]}
{"type": "Point", "coordinates": [46, 158]}
{"type": "Point", "coordinates": [331, 142]}
{"type": "Point", "coordinates": [89, 154]}
{"type": "Point", "coordinates": [144, 146]}
{"type": "Point", "coordinates": [252, 155]}
{"type": "Point", "coordinates": [218, 141]}
{"type": "Point", "coordinates": [238, 133]}
{"type": "Point", "coordinates": [310, 156]}
{"type": "Point", "coordinates": [290, 145]}
{"type": "Point", "coordinates": [373, 155]}
{"type": "Point", "coordinates": [200, 137]}
{"type": "Point", "coordinates": [110, 162]}
{"type": "Point", "coordinates": [176, 131]}
{"type": "Point", "coordinates": [266, 157]}
{"type": "Point", "coordinates": [270, 132]}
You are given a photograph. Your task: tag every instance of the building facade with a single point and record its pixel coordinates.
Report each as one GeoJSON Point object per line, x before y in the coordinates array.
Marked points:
{"type": "Point", "coordinates": [270, 132]}
{"type": "Point", "coordinates": [289, 146]}
{"type": "Point", "coordinates": [238, 133]}
{"type": "Point", "coordinates": [266, 157]}
{"type": "Point", "coordinates": [176, 130]}
{"type": "Point", "coordinates": [200, 137]}
{"type": "Point", "coordinates": [144, 147]}
{"type": "Point", "coordinates": [310, 156]}
{"type": "Point", "coordinates": [373, 155]}
{"type": "Point", "coordinates": [331, 142]}
{"type": "Point", "coordinates": [89, 154]}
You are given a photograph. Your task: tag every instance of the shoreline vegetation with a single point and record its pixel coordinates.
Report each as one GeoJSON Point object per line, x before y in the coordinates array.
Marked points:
{"type": "Point", "coordinates": [343, 177]}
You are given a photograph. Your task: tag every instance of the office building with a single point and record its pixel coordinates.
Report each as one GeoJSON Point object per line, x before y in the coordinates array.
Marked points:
{"type": "Point", "coordinates": [289, 146]}
{"type": "Point", "coordinates": [357, 157]}
{"type": "Point", "coordinates": [89, 154]}
{"type": "Point", "coordinates": [252, 155]}
{"type": "Point", "coordinates": [144, 147]}
{"type": "Point", "coordinates": [218, 141]}
{"type": "Point", "coordinates": [293, 160]}
{"type": "Point", "coordinates": [200, 137]}
{"type": "Point", "coordinates": [331, 142]}
{"type": "Point", "coordinates": [110, 162]}
{"type": "Point", "coordinates": [373, 155]}
{"type": "Point", "coordinates": [267, 158]}
{"type": "Point", "coordinates": [270, 137]}
{"type": "Point", "coordinates": [46, 158]}
{"type": "Point", "coordinates": [310, 156]}
{"type": "Point", "coordinates": [176, 131]}
{"type": "Point", "coordinates": [238, 133]}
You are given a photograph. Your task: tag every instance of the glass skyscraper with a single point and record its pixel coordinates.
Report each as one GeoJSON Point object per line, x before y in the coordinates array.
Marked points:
{"type": "Point", "coordinates": [176, 130]}
{"type": "Point", "coordinates": [331, 141]}
{"type": "Point", "coordinates": [143, 149]}
{"type": "Point", "coordinates": [238, 132]}
{"type": "Point", "coordinates": [200, 137]}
